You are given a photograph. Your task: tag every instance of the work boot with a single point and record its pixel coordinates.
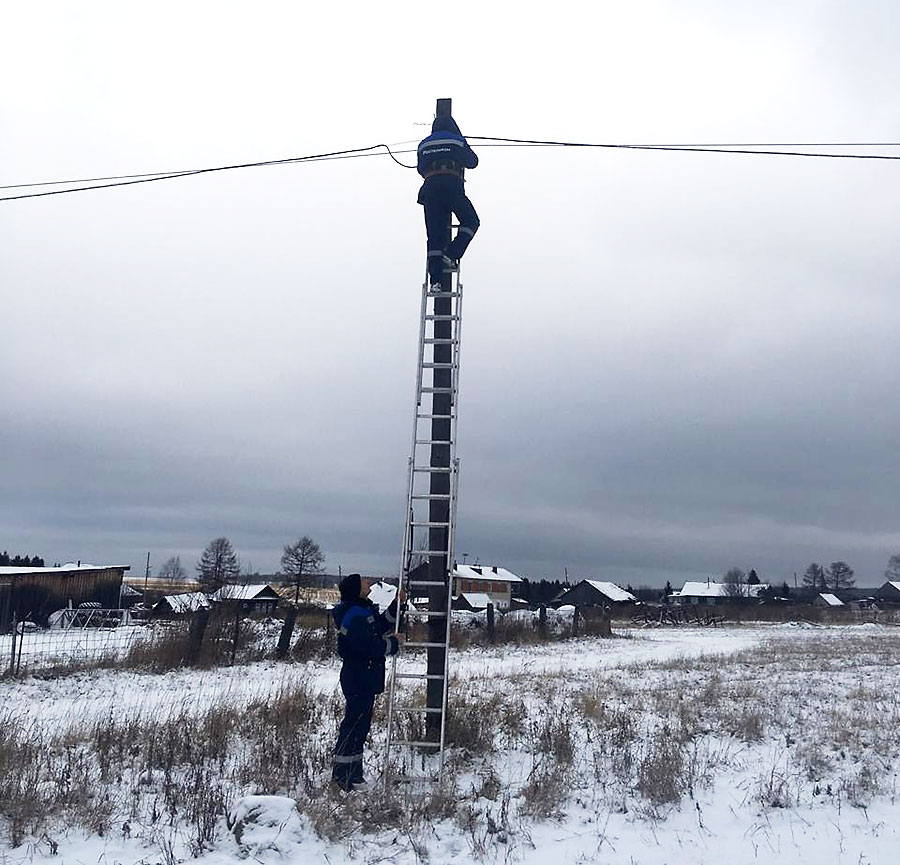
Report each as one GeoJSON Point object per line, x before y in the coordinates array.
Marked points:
{"type": "Point", "coordinates": [436, 286]}
{"type": "Point", "coordinates": [451, 265]}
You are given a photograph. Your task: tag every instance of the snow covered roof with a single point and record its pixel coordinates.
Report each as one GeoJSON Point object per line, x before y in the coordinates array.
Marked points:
{"type": "Point", "coordinates": [703, 590]}
{"type": "Point", "coordinates": [611, 590]}
{"type": "Point", "coordinates": [476, 600]}
{"type": "Point", "coordinates": [717, 590]}
{"type": "Point", "coordinates": [893, 583]}
{"type": "Point", "coordinates": [831, 600]}
{"type": "Point", "coordinates": [189, 602]}
{"type": "Point", "coordinates": [240, 593]}
{"type": "Point", "coordinates": [70, 566]}
{"type": "Point", "coordinates": [485, 572]}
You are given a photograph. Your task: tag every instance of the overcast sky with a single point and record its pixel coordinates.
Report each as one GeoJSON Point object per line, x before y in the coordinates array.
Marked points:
{"type": "Point", "coordinates": [673, 363]}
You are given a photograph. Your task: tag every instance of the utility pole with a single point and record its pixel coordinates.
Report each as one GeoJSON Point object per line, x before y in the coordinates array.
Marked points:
{"type": "Point", "coordinates": [146, 574]}
{"type": "Point", "coordinates": [439, 509]}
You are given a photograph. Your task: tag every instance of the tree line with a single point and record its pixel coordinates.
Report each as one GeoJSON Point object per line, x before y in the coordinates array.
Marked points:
{"type": "Point", "coordinates": [220, 565]}
{"type": "Point", "coordinates": [20, 561]}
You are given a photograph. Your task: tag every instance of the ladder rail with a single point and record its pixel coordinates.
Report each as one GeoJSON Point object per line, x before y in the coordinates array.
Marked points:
{"type": "Point", "coordinates": [414, 498]}
{"type": "Point", "coordinates": [405, 553]}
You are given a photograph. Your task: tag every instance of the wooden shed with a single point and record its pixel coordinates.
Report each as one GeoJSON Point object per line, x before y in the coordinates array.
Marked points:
{"type": "Point", "coordinates": [34, 593]}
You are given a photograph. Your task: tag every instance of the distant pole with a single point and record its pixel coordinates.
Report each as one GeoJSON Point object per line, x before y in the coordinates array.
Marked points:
{"type": "Point", "coordinates": [146, 574]}
{"type": "Point", "coordinates": [439, 509]}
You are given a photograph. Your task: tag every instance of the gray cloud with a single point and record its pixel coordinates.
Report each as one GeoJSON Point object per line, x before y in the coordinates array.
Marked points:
{"type": "Point", "coordinates": [672, 363]}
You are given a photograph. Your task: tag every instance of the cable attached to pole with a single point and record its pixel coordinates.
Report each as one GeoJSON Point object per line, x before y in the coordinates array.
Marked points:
{"type": "Point", "coordinates": [689, 148]}
{"type": "Point", "coordinates": [130, 180]}
{"type": "Point", "coordinates": [490, 141]}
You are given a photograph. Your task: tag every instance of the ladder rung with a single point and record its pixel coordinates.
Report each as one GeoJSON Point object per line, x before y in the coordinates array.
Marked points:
{"type": "Point", "coordinates": [431, 365]}
{"type": "Point", "coordinates": [442, 497]}
{"type": "Point", "coordinates": [430, 553]}
{"type": "Point", "coordinates": [427, 645]}
{"type": "Point", "coordinates": [427, 583]}
{"type": "Point", "coordinates": [442, 293]}
{"type": "Point", "coordinates": [435, 613]}
{"type": "Point", "coordinates": [415, 744]}
{"type": "Point", "coordinates": [430, 317]}
{"type": "Point", "coordinates": [418, 675]}
{"type": "Point", "coordinates": [438, 341]}
{"type": "Point", "coordinates": [437, 416]}
{"type": "Point", "coordinates": [430, 524]}
{"type": "Point", "coordinates": [435, 470]}
{"type": "Point", "coordinates": [434, 442]}
{"type": "Point", "coordinates": [437, 389]}
{"type": "Point", "coordinates": [412, 709]}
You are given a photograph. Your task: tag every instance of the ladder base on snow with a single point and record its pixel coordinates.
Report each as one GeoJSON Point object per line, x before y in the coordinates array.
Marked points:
{"type": "Point", "coordinates": [430, 517]}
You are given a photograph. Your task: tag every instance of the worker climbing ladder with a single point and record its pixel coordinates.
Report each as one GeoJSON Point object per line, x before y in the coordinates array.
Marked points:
{"type": "Point", "coordinates": [417, 704]}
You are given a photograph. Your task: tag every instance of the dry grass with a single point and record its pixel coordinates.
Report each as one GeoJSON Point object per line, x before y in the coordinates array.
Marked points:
{"type": "Point", "coordinates": [522, 747]}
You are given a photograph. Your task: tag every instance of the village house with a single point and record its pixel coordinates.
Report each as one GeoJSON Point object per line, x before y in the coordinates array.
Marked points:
{"type": "Point", "coordinates": [595, 593]}
{"type": "Point", "coordinates": [170, 606]}
{"type": "Point", "coordinates": [889, 593]}
{"type": "Point", "coordinates": [825, 599]}
{"type": "Point", "coordinates": [711, 593]}
{"type": "Point", "coordinates": [489, 580]}
{"type": "Point", "coordinates": [250, 599]}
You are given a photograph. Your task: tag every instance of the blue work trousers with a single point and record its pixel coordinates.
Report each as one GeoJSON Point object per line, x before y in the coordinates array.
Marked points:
{"type": "Point", "coordinates": [347, 767]}
{"type": "Point", "coordinates": [443, 195]}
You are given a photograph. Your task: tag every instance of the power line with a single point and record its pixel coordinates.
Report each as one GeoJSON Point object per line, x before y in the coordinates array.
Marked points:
{"type": "Point", "coordinates": [181, 172]}
{"type": "Point", "coordinates": [490, 141]}
{"type": "Point", "coordinates": [129, 180]}
{"type": "Point", "coordinates": [688, 148]}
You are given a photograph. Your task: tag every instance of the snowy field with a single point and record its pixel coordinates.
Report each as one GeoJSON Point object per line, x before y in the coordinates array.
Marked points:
{"type": "Point", "coordinates": [662, 747]}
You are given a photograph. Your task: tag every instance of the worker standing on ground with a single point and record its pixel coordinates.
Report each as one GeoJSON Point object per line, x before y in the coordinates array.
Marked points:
{"type": "Point", "coordinates": [365, 638]}
{"type": "Point", "coordinates": [442, 159]}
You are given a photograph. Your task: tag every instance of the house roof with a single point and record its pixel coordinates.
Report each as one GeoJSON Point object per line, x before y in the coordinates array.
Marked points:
{"type": "Point", "coordinates": [485, 572]}
{"type": "Point", "coordinates": [716, 590]}
{"type": "Point", "coordinates": [244, 593]}
{"type": "Point", "coordinates": [8, 570]}
{"type": "Point", "coordinates": [831, 600]}
{"type": "Point", "coordinates": [703, 590]}
{"type": "Point", "coordinates": [189, 602]}
{"type": "Point", "coordinates": [476, 600]}
{"type": "Point", "coordinates": [611, 590]}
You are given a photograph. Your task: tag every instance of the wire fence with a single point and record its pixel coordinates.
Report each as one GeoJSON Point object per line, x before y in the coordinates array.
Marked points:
{"type": "Point", "coordinates": [81, 638]}
{"type": "Point", "coordinates": [85, 636]}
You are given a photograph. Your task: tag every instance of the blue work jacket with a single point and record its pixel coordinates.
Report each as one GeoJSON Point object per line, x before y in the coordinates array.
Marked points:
{"type": "Point", "coordinates": [364, 640]}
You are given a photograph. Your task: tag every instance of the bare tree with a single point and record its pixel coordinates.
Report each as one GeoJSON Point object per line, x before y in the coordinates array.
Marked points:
{"type": "Point", "coordinates": [735, 583]}
{"type": "Point", "coordinates": [171, 569]}
{"type": "Point", "coordinates": [892, 571]}
{"type": "Point", "coordinates": [302, 560]}
{"type": "Point", "coordinates": [814, 578]}
{"type": "Point", "coordinates": [840, 576]}
{"type": "Point", "coordinates": [218, 564]}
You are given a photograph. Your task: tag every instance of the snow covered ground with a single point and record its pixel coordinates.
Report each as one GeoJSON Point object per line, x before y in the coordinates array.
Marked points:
{"type": "Point", "coordinates": [666, 747]}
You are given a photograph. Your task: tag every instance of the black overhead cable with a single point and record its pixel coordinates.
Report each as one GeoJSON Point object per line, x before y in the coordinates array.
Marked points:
{"type": "Point", "coordinates": [491, 141]}
{"type": "Point", "coordinates": [699, 148]}
{"type": "Point", "coordinates": [149, 178]}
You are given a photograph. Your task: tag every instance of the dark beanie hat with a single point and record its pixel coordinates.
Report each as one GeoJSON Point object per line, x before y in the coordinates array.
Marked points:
{"type": "Point", "coordinates": [350, 587]}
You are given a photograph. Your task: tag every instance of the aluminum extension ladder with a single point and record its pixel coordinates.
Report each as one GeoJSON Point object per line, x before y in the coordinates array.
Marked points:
{"type": "Point", "coordinates": [433, 472]}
